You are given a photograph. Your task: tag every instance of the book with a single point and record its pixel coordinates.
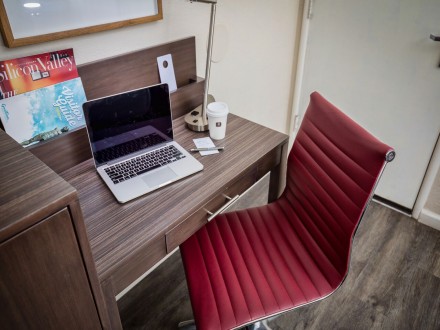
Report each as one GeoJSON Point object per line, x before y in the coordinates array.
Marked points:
{"type": "Point", "coordinates": [44, 113]}
{"type": "Point", "coordinates": [28, 73]}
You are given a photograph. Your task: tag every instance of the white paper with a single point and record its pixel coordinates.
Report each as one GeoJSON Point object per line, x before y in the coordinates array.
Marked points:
{"type": "Point", "coordinates": [205, 143]}
{"type": "Point", "coordinates": [166, 71]}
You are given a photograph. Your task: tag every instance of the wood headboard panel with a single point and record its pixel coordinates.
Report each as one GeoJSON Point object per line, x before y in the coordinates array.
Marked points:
{"type": "Point", "coordinates": [122, 73]}
{"type": "Point", "coordinates": [138, 69]}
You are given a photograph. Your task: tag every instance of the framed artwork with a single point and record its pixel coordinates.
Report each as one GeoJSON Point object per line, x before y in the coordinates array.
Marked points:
{"type": "Point", "coordinates": [25, 22]}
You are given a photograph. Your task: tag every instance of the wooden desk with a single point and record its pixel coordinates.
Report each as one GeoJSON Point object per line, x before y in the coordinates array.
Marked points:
{"type": "Point", "coordinates": [128, 239]}
{"type": "Point", "coordinates": [105, 246]}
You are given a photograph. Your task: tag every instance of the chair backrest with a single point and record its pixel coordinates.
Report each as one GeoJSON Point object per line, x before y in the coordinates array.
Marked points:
{"type": "Point", "coordinates": [332, 171]}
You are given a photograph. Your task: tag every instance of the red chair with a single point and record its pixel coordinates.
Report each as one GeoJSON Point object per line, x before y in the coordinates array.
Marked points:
{"type": "Point", "coordinates": [249, 265]}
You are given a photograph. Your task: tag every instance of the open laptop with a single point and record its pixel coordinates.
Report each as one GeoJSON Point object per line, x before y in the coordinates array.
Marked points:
{"type": "Point", "coordinates": [131, 137]}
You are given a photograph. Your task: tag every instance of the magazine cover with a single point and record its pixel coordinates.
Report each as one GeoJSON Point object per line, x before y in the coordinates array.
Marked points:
{"type": "Point", "coordinates": [44, 113]}
{"type": "Point", "coordinates": [25, 74]}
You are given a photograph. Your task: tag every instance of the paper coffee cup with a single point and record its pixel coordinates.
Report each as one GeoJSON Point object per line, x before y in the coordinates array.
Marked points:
{"type": "Point", "coordinates": [217, 118]}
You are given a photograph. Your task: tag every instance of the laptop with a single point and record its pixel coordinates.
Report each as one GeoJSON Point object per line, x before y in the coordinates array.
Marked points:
{"type": "Point", "coordinates": [132, 142]}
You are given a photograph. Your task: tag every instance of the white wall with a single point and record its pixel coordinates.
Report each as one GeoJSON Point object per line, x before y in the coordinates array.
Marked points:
{"type": "Point", "coordinates": [254, 47]}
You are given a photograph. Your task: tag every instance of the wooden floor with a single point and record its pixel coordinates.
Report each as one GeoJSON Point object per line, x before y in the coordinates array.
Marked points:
{"type": "Point", "coordinates": [393, 283]}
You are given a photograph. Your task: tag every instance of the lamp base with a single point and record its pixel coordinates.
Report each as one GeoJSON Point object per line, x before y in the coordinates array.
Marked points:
{"type": "Point", "coordinates": [194, 119]}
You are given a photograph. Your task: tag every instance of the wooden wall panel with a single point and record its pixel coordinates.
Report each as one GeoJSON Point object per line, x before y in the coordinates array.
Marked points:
{"type": "Point", "coordinates": [138, 69]}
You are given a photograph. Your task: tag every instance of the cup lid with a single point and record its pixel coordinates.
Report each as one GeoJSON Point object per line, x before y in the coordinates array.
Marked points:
{"type": "Point", "coordinates": [217, 109]}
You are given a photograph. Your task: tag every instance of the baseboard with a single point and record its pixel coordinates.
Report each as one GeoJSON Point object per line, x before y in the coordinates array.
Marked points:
{"type": "Point", "coordinates": [429, 218]}
{"type": "Point", "coordinates": [392, 205]}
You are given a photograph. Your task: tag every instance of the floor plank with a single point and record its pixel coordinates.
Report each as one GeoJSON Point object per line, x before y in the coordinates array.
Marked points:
{"type": "Point", "coordinates": [393, 283]}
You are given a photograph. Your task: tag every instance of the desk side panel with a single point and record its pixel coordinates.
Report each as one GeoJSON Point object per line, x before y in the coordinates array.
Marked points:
{"type": "Point", "coordinates": [103, 307]}
{"type": "Point", "coordinates": [44, 282]}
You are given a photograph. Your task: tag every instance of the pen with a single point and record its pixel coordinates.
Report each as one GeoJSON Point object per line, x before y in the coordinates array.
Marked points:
{"type": "Point", "coordinates": [207, 149]}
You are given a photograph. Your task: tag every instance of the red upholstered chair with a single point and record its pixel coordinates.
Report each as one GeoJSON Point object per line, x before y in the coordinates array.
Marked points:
{"type": "Point", "coordinates": [252, 264]}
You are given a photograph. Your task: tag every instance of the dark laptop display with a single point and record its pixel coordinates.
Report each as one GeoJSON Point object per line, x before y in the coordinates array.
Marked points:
{"type": "Point", "coordinates": [125, 123]}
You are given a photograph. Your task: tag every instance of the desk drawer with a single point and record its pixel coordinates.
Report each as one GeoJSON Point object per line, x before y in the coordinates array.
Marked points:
{"type": "Point", "coordinates": [190, 225]}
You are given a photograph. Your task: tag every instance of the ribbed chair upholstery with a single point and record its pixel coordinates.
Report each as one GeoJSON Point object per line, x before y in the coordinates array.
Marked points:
{"type": "Point", "coordinates": [248, 265]}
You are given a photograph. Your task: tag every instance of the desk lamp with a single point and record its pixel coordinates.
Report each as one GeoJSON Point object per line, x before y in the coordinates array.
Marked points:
{"type": "Point", "coordinates": [196, 120]}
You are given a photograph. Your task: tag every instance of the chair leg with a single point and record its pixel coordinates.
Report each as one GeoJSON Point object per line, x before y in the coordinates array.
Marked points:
{"type": "Point", "coordinates": [187, 325]}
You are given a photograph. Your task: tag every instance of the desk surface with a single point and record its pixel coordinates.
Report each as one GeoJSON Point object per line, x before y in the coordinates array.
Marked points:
{"type": "Point", "coordinates": [127, 239]}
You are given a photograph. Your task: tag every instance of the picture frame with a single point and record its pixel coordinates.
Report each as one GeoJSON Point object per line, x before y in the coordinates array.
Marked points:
{"type": "Point", "coordinates": [50, 20]}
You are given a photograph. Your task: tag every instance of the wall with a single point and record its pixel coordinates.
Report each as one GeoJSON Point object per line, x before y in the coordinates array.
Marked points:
{"type": "Point", "coordinates": [254, 51]}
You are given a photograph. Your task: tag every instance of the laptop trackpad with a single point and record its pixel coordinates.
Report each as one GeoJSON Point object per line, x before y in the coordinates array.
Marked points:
{"type": "Point", "coordinates": [160, 177]}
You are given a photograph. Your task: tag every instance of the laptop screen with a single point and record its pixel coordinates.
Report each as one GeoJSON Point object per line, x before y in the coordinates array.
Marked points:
{"type": "Point", "coordinates": [125, 123]}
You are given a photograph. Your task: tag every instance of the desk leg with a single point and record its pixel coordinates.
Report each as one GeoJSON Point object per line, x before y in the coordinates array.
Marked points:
{"type": "Point", "coordinates": [112, 306]}
{"type": "Point", "coordinates": [278, 174]}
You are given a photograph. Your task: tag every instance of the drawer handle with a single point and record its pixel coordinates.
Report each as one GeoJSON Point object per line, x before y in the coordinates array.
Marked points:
{"type": "Point", "coordinates": [224, 207]}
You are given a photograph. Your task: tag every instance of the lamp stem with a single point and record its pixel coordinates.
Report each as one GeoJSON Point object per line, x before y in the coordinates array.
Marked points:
{"type": "Point", "coordinates": [208, 61]}
{"type": "Point", "coordinates": [196, 120]}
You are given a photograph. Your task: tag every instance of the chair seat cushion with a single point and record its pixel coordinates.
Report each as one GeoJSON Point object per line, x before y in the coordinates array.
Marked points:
{"type": "Point", "coordinates": [246, 265]}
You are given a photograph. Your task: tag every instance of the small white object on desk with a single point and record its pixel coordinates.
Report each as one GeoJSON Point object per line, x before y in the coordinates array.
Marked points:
{"type": "Point", "coordinates": [205, 142]}
{"type": "Point", "coordinates": [166, 71]}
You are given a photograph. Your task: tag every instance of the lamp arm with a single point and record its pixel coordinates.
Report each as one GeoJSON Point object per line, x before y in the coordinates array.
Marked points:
{"type": "Point", "coordinates": [208, 59]}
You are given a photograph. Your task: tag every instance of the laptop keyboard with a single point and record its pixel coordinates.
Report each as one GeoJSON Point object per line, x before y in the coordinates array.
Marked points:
{"type": "Point", "coordinates": [128, 147]}
{"type": "Point", "coordinates": [144, 163]}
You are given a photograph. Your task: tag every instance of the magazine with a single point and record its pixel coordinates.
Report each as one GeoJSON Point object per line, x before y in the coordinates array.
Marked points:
{"type": "Point", "coordinates": [25, 74]}
{"type": "Point", "coordinates": [44, 113]}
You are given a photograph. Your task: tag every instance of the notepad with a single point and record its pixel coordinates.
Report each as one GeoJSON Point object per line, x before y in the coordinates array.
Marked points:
{"type": "Point", "coordinates": [205, 142]}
